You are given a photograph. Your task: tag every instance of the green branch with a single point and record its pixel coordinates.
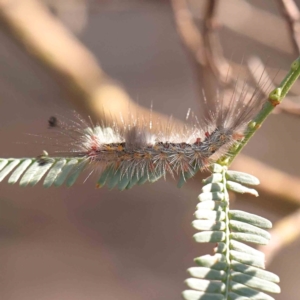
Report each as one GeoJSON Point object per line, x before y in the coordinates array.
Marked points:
{"type": "Point", "coordinates": [275, 98]}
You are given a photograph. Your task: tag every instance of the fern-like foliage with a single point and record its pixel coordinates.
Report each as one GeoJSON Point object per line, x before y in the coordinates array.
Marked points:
{"type": "Point", "coordinates": [236, 270]}
{"type": "Point", "coordinates": [57, 171]}
{"type": "Point", "coordinates": [29, 171]}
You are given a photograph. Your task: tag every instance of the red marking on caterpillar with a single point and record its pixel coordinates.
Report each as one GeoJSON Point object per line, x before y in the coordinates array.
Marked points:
{"type": "Point", "coordinates": [198, 141]}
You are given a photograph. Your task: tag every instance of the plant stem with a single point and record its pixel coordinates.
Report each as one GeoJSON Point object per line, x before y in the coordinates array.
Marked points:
{"type": "Point", "coordinates": [275, 98]}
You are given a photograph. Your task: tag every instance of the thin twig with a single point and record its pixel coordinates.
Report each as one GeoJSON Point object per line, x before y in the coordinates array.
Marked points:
{"type": "Point", "coordinates": [213, 47]}
{"type": "Point", "coordinates": [204, 49]}
{"type": "Point", "coordinates": [193, 42]}
{"type": "Point", "coordinates": [292, 14]}
{"type": "Point", "coordinates": [256, 68]}
{"type": "Point", "coordinates": [275, 98]}
{"type": "Point", "coordinates": [189, 33]}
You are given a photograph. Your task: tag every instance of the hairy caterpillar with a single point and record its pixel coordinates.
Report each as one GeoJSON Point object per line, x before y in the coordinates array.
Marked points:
{"type": "Point", "coordinates": [141, 149]}
{"type": "Point", "coordinates": [135, 153]}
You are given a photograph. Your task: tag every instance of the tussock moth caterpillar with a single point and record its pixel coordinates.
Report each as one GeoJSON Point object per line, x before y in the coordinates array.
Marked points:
{"type": "Point", "coordinates": [138, 150]}
{"type": "Point", "coordinates": [135, 152]}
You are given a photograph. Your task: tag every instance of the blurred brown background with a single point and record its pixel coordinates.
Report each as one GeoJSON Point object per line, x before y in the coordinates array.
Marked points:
{"type": "Point", "coordinates": [83, 243]}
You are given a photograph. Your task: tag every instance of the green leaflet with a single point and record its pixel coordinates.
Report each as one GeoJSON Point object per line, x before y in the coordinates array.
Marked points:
{"type": "Point", "coordinates": [19, 171]}
{"type": "Point", "coordinates": [76, 172]}
{"type": "Point", "coordinates": [213, 187]}
{"type": "Point", "coordinates": [62, 176]}
{"type": "Point", "coordinates": [236, 270]}
{"type": "Point", "coordinates": [55, 170]}
{"type": "Point", "coordinates": [3, 163]}
{"type": "Point", "coordinates": [106, 174]}
{"type": "Point", "coordinates": [215, 177]}
{"type": "Point", "coordinates": [254, 282]}
{"type": "Point", "coordinates": [216, 262]}
{"type": "Point", "coordinates": [239, 226]}
{"type": "Point", "coordinates": [234, 296]}
{"type": "Point", "coordinates": [124, 182]}
{"type": "Point", "coordinates": [53, 173]}
{"type": "Point", "coordinates": [206, 285]}
{"type": "Point", "coordinates": [257, 272]}
{"type": "Point", "coordinates": [8, 167]}
{"type": "Point", "coordinates": [249, 238]}
{"type": "Point", "coordinates": [209, 236]}
{"type": "Point", "coordinates": [241, 247]}
{"type": "Point", "coordinates": [221, 247]}
{"type": "Point", "coordinates": [241, 177]}
{"type": "Point", "coordinates": [196, 295]}
{"type": "Point", "coordinates": [248, 259]}
{"type": "Point", "coordinates": [210, 215]}
{"type": "Point", "coordinates": [207, 273]}
{"type": "Point", "coordinates": [40, 172]}
{"type": "Point", "coordinates": [250, 219]}
{"type": "Point", "coordinates": [208, 196]}
{"type": "Point", "coordinates": [211, 205]}
{"type": "Point", "coordinates": [248, 292]}
{"type": "Point", "coordinates": [208, 225]}
{"type": "Point", "coordinates": [241, 189]}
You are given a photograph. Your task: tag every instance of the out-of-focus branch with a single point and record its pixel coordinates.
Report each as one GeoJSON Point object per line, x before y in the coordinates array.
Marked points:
{"type": "Point", "coordinates": [239, 16]}
{"type": "Point", "coordinates": [285, 231]}
{"type": "Point", "coordinates": [265, 84]}
{"type": "Point", "coordinates": [279, 185]}
{"type": "Point", "coordinates": [292, 15]}
{"type": "Point", "coordinates": [290, 108]}
{"type": "Point", "coordinates": [213, 47]}
{"type": "Point", "coordinates": [204, 48]}
{"type": "Point", "coordinates": [43, 36]}
{"type": "Point", "coordinates": [188, 31]}
{"type": "Point", "coordinates": [272, 181]}
{"type": "Point", "coordinates": [193, 43]}
{"type": "Point", "coordinates": [77, 70]}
